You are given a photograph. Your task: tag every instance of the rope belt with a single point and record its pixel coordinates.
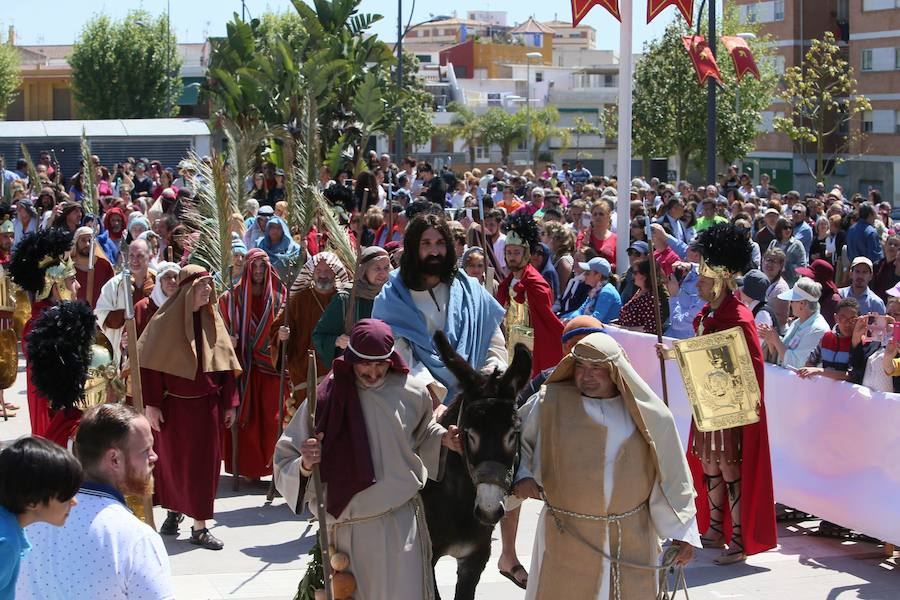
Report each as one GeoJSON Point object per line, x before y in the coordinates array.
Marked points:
{"type": "Point", "coordinates": [171, 395]}
{"type": "Point", "coordinates": [617, 561]}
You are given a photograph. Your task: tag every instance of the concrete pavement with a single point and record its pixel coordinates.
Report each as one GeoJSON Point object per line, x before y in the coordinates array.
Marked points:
{"type": "Point", "coordinates": [266, 547]}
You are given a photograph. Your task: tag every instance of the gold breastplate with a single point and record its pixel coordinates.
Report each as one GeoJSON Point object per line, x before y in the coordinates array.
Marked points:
{"type": "Point", "coordinates": [518, 325]}
{"type": "Point", "coordinates": [7, 292]}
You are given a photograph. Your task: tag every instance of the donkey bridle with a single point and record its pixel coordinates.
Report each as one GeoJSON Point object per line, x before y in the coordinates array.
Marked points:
{"type": "Point", "coordinates": [490, 472]}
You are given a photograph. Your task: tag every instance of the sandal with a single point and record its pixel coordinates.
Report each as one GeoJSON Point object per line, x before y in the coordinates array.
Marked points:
{"type": "Point", "coordinates": [735, 552]}
{"type": "Point", "coordinates": [170, 525]}
{"type": "Point", "coordinates": [511, 575]}
{"type": "Point", "coordinates": [205, 539]}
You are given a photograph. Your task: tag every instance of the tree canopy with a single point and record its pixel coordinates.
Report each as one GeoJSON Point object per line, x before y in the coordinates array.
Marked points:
{"type": "Point", "coordinates": [10, 79]}
{"type": "Point", "coordinates": [126, 69]}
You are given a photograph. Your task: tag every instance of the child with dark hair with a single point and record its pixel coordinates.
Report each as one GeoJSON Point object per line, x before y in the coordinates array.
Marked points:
{"type": "Point", "coordinates": [38, 483]}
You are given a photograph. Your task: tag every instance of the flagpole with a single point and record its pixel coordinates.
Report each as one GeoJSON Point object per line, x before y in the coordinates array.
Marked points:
{"type": "Point", "coordinates": [623, 174]}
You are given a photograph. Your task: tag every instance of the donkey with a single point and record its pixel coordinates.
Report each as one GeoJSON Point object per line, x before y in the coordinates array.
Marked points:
{"type": "Point", "coordinates": [462, 509]}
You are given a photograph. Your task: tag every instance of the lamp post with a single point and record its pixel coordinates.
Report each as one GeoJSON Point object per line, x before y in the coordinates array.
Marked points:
{"type": "Point", "coordinates": [528, 58]}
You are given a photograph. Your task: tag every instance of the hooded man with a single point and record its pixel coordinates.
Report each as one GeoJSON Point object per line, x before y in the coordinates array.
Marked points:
{"type": "Point", "coordinates": [376, 444]}
{"type": "Point", "coordinates": [188, 373]}
{"type": "Point", "coordinates": [736, 459]}
{"type": "Point", "coordinates": [601, 450]}
{"type": "Point", "coordinates": [311, 293]}
{"type": "Point", "coordinates": [527, 297]}
{"type": "Point", "coordinates": [114, 232]}
{"type": "Point", "coordinates": [429, 293]}
{"type": "Point", "coordinates": [279, 246]}
{"type": "Point", "coordinates": [103, 269]}
{"type": "Point", "coordinates": [249, 312]}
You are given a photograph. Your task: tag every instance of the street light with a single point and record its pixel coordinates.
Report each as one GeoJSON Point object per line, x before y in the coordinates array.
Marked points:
{"type": "Point", "coordinates": [528, 58]}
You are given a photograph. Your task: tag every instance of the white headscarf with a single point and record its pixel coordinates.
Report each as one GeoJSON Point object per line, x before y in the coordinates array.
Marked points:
{"type": "Point", "coordinates": [157, 296]}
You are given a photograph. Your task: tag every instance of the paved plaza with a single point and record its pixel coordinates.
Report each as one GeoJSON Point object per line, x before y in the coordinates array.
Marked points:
{"type": "Point", "coordinates": [266, 548]}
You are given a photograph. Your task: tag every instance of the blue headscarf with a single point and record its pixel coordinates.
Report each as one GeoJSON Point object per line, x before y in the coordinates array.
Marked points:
{"type": "Point", "coordinates": [287, 248]}
{"type": "Point", "coordinates": [472, 318]}
{"type": "Point", "coordinates": [548, 271]}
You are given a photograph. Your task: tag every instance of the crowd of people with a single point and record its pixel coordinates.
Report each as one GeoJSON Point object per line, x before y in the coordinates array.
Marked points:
{"type": "Point", "coordinates": [492, 258]}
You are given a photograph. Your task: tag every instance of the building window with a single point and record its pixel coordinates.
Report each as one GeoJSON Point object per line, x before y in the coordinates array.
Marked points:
{"type": "Point", "coordinates": [879, 4]}
{"type": "Point", "coordinates": [843, 10]}
{"type": "Point", "coordinates": [897, 58]}
{"type": "Point", "coordinates": [867, 60]}
{"type": "Point", "coordinates": [482, 153]}
{"type": "Point", "coordinates": [868, 124]}
{"type": "Point", "coordinates": [897, 122]}
{"type": "Point", "coordinates": [538, 76]}
{"type": "Point", "coordinates": [779, 10]}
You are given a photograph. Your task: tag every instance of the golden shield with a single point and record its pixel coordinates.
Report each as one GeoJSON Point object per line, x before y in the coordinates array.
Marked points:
{"type": "Point", "coordinates": [719, 378]}
{"type": "Point", "coordinates": [9, 359]}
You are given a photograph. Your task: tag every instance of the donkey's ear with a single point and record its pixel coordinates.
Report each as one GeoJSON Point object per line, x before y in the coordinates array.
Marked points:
{"type": "Point", "coordinates": [468, 378]}
{"type": "Point", "coordinates": [518, 374]}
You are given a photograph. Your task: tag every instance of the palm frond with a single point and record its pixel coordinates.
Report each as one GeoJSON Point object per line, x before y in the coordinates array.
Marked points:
{"type": "Point", "coordinates": [32, 172]}
{"type": "Point", "coordinates": [242, 147]}
{"type": "Point", "coordinates": [338, 237]}
{"type": "Point", "coordinates": [87, 178]}
{"type": "Point", "coordinates": [209, 215]}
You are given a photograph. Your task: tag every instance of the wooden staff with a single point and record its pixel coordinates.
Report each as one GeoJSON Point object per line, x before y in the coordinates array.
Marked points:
{"type": "Point", "coordinates": [390, 211]}
{"type": "Point", "coordinates": [488, 269]}
{"type": "Point", "coordinates": [656, 309]}
{"type": "Point", "coordinates": [235, 476]}
{"type": "Point", "coordinates": [282, 364]}
{"type": "Point", "coordinates": [137, 396]}
{"type": "Point", "coordinates": [91, 259]}
{"type": "Point", "coordinates": [311, 399]}
{"type": "Point", "coordinates": [350, 314]}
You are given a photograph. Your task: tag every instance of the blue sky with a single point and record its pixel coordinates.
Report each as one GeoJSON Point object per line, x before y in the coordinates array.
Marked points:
{"type": "Point", "coordinates": [59, 22]}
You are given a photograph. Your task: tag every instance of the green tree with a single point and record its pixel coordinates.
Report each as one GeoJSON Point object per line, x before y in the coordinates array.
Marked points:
{"type": "Point", "coordinates": [580, 127]}
{"type": "Point", "coordinates": [126, 70]}
{"type": "Point", "coordinates": [669, 106]}
{"type": "Point", "coordinates": [541, 128]}
{"type": "Point", "coordinates": [824, 103]}
{"type": "Point", "coordinates": [10, 79]}
{"type": "Point", "coordinates": [504, 129]}
{"type": "Point", "coordinates": [466, 126]}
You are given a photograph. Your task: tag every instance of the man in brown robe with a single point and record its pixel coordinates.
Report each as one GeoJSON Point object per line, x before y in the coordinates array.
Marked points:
{"type": "Point", "coordinates": [188, 371]}
{"type": "Point", "coordinates": [311, 292]}
{"type": "Point", "coordinates": [103, 269]}
{"type": "Point", "coordinates": [601, 450]}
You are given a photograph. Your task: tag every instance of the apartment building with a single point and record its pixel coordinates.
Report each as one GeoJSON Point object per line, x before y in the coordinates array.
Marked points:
{"type": "Point", "coordinates": [869, 33]}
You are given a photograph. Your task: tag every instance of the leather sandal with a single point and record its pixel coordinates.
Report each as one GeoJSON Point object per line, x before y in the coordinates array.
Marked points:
{"type": "Point", "coordinates": [205, 539]}
{"type": "Point", "coordinates": [170, 525]}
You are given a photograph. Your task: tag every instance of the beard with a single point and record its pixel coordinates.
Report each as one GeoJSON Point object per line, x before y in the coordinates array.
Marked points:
{"type": "Point", "coordinates": [84, 252]}
{"type": "Point", "coordinates": [135, 483]}
{"type": "Point", "coordinates": [434, 265]}
{"type": "Point", "coordinates": [323, 285]}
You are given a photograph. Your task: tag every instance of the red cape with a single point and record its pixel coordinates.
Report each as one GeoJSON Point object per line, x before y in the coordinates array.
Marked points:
{"type": "Point", "coordinates": [548, 329]}
{"type": "Point", "coordinates": [757, 496]}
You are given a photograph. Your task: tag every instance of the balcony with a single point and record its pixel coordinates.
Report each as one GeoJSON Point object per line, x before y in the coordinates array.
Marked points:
{"type": "Point", "coordinates": [583, 96]}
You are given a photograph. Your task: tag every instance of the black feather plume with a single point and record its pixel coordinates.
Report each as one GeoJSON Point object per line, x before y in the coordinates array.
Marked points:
{"type": "Point", "coordinates": [59, 350]}
{"type": "Point", "coordinates": [726, 245]}
{"type": "Point", "coordinates": [24, 267]}
{"type": "Point", "coordinates": [525, 227]}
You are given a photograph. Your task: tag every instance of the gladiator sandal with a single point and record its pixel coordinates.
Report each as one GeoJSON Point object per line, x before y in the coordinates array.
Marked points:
{"type": "Point", "coordinates": [716, 493]}
{"type": "Point", "coordinates": [735, 553]}
{"type": "Point", "coordinates": [204, 539]}
{"type": "Point", "coordinates": [170, 525]}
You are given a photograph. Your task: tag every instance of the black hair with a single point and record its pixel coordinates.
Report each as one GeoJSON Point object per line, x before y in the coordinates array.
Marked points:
{"type": "Point", "coordinates": [103, 427]}
{"type": "Point", "coordinates": [35, 470]}
{"type": "Point", "coordinates": [410, 267]}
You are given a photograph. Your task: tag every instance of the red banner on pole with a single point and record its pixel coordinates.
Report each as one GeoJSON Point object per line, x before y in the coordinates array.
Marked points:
{"type": "Point", "coordinates": [742, 56]}
{"type": "Point", "coordinates": [702, 57]}
{"type": "Point", "coordinates": [580, 9]}
{"type": "Point", "coordinates": [686, 7]}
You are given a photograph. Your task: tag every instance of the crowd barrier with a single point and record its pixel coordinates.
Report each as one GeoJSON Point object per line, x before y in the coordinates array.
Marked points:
{"type": "Point", "coordinates": [835, 446]}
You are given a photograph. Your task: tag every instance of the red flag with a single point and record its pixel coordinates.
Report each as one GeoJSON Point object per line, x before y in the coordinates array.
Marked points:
{"type": "Point", "coordinates": [654, 7]}
{"type": "Point", "coordinates": [742, 56]}
{"type": "Point", "coordinates": [580, 8]}
{"type": "Point", "coordinates": [702, 57]}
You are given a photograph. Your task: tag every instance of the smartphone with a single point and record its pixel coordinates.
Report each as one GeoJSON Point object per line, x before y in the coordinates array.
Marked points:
{"type": "Point", "coordinates": [895, 334]}
{"type": "Point", "coordinates": [876, 327]}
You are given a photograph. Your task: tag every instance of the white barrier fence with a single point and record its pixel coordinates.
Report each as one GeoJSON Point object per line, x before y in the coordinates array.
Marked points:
{"type": "Point", "coordinates": [835, 446]}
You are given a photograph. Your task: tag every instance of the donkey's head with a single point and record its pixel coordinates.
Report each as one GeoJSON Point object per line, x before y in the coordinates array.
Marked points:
{"type": "Point", "coordinates": [485, 410]}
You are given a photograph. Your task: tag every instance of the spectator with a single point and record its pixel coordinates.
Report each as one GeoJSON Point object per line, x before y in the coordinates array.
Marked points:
{"type": "Point", "coordinates": [434, 189]}
{"type": "Point", "coordinates": [576, 290]}
{"type": "Point", "coordinates": [542, 261]}
{"type": "Point", "coordinates": [762, 190]}
{"type": "Point", "coordinates": [603, 301]}
{"type": "Point", "coordinates": [862, 237]}
{"type": "Point", "coordinates": [38, 483]}
{"type": "Point", "coordinates": [795, 255]}
{"type": "Point", "coordinates": [709, 216]}
{"type": "Point", "coordinates": [823, 273]}
{"type": "Point", "coordinates": [752, 292]}
{"type": "Point", "coordinates": [276, 194]}
{"type": "Point", "coordinates": [561, 240]}
{"type": "Point", "coordinates": [579, 174]}
{"type": "Point", "coordinates": [508, 201]}
{"type": "Point", "coordinates": [536, 205]}
{"type": "Point", "coordinates": [142, 184]}
{"type": "Point", "coordinates": [639, 314]}
{"type": "Point", "coordinates": [820, 239]}
{"type": "Point", "coordinates": [805, 332]}
{"type": "Point", "coordinates": [599, 236]}
{"type": "Point", "coordinates": [766, 234]}
{"type": "Point", "coordinates": [104, 551]}
{"type": "Point", "coordinates": [684, 300]}
{"type": "Point", "coordinates": [638, 251]}
{"type": "Point", "coordinates": [664, 256]}
{"type": "Point", "coordinates": [871, 364]}
{"type": "Point", "coordinates": [860, 276]}
{"type": "Point", "coordinates": [831, 358]}
{"type": "Point", "coordinates": [802, 230]}
{"type": "Point", "coordinates": [887, 274]}
{"type": "Point", "coordinates": [673, 214]}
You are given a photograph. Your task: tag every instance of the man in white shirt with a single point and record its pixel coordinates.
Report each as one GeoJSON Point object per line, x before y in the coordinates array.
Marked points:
{"type": "Point", "coordinates": [104, 552]}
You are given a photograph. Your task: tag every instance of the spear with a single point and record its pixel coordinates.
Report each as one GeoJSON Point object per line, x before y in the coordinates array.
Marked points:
{"type": "Point", "coordinates": [282, 367]}
{"type": "Point", "coordinates": [137, 396]}
{"type": "Point", "coordinates": [311, 399]}
{"type": "Point", "coordinates": [488, 269]}
{"type": "Point", "coordinates": [656, 300]}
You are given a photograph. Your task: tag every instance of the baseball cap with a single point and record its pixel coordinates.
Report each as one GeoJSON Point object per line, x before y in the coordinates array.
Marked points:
{"type": "Point", "coordinates": [597, 265]}
{"type": "Point", "coordinates": [265, 211]}
{"type": "Point", "coordinates": [862, 260]}
{"type": "Point", "coordinates": [639, 246]}
{"type": "Point", "coordinates": [754, 284]}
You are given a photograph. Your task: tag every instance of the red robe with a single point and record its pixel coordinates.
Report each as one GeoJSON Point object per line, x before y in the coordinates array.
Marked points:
{"type": "Point", "coordinates": [258, 413]}
{"type": "Point", "coordinates": [757, 496]}
{"type": "Point", "coordinates": [38, 407]}
{"type": "Point", "coordinates": [548, 329]}
{"type": "Point", "coordinates": [103, 272]}
{"type": "Point", "coordinates": [189, 444]}
{"type": "Point", "coordinates": [144, 310]}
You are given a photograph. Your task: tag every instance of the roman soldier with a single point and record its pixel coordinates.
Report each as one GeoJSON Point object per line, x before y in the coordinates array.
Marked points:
{"type": "Point", "coordinates": [527, 297]}
{"type": "Point", "coordinates": [41, 266]}
{"type": "Point", "coordinates": [734, 460]}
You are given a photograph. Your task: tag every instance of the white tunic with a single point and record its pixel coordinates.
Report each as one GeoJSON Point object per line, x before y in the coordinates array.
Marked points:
{"type": "Point", "coordinates": [612, 414]}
